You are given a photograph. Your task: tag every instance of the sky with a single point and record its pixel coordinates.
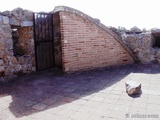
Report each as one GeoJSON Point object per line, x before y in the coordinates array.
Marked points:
{"type": "Point", "coordinates": [123, 13]}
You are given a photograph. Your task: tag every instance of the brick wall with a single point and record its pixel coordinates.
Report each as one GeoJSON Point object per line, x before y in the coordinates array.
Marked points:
{"type": "Point", "coordinates": [86, 45]}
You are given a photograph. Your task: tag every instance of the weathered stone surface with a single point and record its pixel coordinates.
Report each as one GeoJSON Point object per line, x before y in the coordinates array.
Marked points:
{"type": "Point", "coordinates": [7, 29]}
{"type": "Point", "coordinates": [21, 60]}
{"type": "Point", "coordinates": [12, 59]}
{"type": "Point", "coordinates": [155, 30]}
{"type": "Point", "coordinates": [141, 46]}
{"type": "Point", "coordinates": [1, 20]}
{"type": "Point", "coordinates": [135, 29]}
{"type": "Point", "coordinates": [21, 21]}
{"type": "Point", "coordinates": [2, 47]}
{"type": "Point", "coordinates": [18, 68]}
{"type": "Point", "coordinates": [7, 35]}
{"type": "Point", "coordinates": [9, 52]}
{"type": "Point", "coordinates": [27, 23]}
{"type": "Point", "coordinates": [14, 21]}
{"type": "Point", "coordinates": [21, 17]}
{"type": "Point", "coordinates": [18, 12]}
{"type": "Point", "coordinates": [6, 13]}
{"type": "Point", "coordinates": [8, 71]}
{"type": "Point", "coordinates": [1, 68]}
{"type": "Point", "coordinates": [5, 20]}
{"type": "Point", "coordinates": [9, 42]}
{"type": "Point", "coordinates": [133, 88]}
{"type": "Point", "coordinates": [1, 54]}
{"type": "Point", "coordinates": [147, 40]}
{"type": "Point", "coordinates": [28, 15]}
{"type": "Point", "coordinates": [131, 41]}
{"type": "Point", "coordinates": [1, 62]}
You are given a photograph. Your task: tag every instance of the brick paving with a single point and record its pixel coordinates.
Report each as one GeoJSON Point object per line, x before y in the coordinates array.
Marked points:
{"type": "Point", "coordinates": [91, 95]}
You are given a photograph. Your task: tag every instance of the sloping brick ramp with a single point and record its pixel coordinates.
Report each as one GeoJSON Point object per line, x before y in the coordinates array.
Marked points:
{"type": "Point", "coordinates": [95, 21]}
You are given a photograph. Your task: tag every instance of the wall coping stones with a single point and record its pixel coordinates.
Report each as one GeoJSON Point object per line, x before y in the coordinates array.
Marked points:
{"type": "Point", "coordinates": [19, 17]}
{"type": "Point", "coordinates": [95, 21]}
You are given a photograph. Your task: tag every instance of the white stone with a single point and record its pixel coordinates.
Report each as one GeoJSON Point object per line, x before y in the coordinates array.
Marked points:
{"type": "Point", "coordinates": [133, 87]}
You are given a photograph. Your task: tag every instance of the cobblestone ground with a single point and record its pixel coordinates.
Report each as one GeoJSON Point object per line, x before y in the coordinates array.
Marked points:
{"type": "Point", "coordinates": [91, 95]}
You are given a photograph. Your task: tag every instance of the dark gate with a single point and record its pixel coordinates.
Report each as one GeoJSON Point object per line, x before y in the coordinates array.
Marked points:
{"type": "Point", "coordinates": [44, 42]}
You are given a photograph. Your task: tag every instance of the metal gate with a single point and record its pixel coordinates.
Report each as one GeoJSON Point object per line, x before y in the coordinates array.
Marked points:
{"type": "Point", "coordinates": [44, 42]}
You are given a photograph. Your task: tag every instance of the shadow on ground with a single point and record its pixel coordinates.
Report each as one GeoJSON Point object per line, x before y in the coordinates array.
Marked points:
{"type": "Point", "coordinates": [44, 90]}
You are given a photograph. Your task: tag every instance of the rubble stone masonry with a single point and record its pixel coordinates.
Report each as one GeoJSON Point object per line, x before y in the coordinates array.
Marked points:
{"type": "Point", "coordinates": [16, 42]}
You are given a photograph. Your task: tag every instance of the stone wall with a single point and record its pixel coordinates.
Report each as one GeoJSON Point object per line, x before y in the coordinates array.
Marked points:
{"type": "Point", "coordinates": [141, 46]}
{"type": "Point", "coordinates": [80, 42]}
{"type": "Point", "coordinates": [16, 42]}
{"type": "Point", "coordinates": [142, 43]}
{"type": "Point", "coordinates": [87, 44]}
{"type": "Point", "coordinates": [6, 44]}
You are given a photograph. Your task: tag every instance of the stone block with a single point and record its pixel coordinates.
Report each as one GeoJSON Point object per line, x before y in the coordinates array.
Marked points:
{"type": "Point", "coordinates": [18, 68]}
{"type": "Point", "coordinates": [7, 35]}
{"type": "Point", "coordinates": [7, 29]}
{"type": "Point", "coordinates": [1, 54]}
{"type": "Point", "coordinates": [14, 21]}
{"type": "Point", "coordinates": [2, 47]}
{"type": "Point", "coordinates": [28, 15]}
{"type": "Point", "coordinates": [21, 60]}
{"type": "Point", "coordinates": [133, 87]}
{"type": "Point", "coordinates": [17, 12]}
{"type": "Point", "coordinates": [8, 72]}
{"type": "Point", "coordinates": [26, 23]}
{"type": "Point", "coordinates": [5, 20]}
{"type": "Point", "coordinates": [1, 20]}
{"type": "Point", "coordinates": [1, 62]}
{"type": "Point", "coordinates": [12, 59]}
{"type": "Point", "coordinates": [6, 13]}
{"type": "Point", "coordinates": [9, 52]}
{"type": "Point", "coordinates": [135, 29]}
{"type": "Point", "coordinates": [1, 68]}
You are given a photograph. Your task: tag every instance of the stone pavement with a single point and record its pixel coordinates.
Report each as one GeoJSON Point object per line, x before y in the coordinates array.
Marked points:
{"type": "Point", "coordinates": [91, 95]}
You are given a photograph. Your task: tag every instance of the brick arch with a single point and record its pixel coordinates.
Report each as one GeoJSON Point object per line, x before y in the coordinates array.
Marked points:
{"type": "Point", "coordinates": [87, 43]}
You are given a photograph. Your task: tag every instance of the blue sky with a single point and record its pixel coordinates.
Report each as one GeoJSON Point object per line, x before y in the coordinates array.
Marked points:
{"type": "Point", "coordinates": [125, 13]}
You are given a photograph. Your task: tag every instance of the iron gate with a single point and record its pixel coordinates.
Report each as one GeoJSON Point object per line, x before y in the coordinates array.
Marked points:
{"type": "Point", "coordinates": [44, 42]}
